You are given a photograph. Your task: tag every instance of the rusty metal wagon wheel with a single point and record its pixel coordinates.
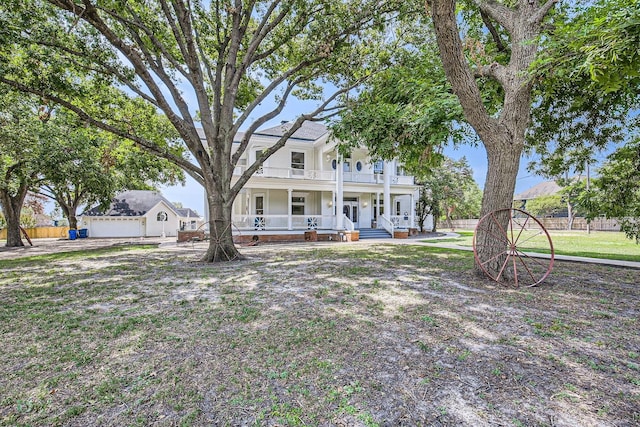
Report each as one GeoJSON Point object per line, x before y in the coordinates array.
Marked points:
{"type": "Point", "coordinates": [502, 243]}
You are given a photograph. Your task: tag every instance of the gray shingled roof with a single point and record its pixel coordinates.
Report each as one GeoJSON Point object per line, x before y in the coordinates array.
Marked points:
{"type": "Point", "coordinates": [236, 139]}
{"type": "Point", "coordinates": [546, 188]}
{"type": "Point", "coordinates": [131, 203]}
{"type": "Point", "coordinates": [310, 131]}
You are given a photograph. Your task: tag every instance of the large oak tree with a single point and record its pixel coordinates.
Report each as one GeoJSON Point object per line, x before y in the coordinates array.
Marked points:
{"type": "Point", "coordinates": [515, 28]}
{"type": "Point", "coordinates": [485, 49]}
{"type": "Point", "coordinates": [220, 60]}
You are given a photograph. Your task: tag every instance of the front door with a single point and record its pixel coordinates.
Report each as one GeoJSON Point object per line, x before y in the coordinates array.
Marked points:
{"type": "Point", "coordinates": [350, 209]}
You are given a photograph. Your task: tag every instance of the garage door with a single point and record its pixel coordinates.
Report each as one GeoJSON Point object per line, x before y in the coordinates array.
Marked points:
{"type": "Point", "coordinates": [116, 227]}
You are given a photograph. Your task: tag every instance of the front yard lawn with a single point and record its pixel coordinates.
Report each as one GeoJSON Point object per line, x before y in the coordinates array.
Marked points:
{"type": "Point", "coordinates": [313, 335]}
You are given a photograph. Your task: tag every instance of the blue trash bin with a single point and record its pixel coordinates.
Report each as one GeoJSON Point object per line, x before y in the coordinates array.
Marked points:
{"type": "Point", "coordinates": [73, 234]}
{"type": "Point", "coordinates": [82, 233]}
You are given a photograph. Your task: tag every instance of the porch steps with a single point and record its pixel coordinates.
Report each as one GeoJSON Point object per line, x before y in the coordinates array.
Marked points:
{"type": "Point", "coordinates": [374, 233]}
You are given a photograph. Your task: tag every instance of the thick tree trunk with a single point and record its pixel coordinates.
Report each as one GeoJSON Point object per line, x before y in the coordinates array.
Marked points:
{"type": "Point", "coordinates": [12, 207]}
{"type": "Point", "coordinates": [69, 211]}
{"type": "Point", "coordinates": [221, 245]}
{"type": "Point", "coordinates": [491, 238]}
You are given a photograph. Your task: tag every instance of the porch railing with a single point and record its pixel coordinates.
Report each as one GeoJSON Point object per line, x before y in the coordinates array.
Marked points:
{"type": "Point", "coordinates": [401, 221]}
{"type": "Point", "coordinates": [348, 224]}
{"type": "Point", "coordinates": [386, 224]}
{"type": "Point", "coordinates": [281, 222]}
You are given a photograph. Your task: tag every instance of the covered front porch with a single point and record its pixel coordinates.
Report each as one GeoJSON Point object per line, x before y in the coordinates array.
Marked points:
{"type": "Point", "coordinates": [268, 210]}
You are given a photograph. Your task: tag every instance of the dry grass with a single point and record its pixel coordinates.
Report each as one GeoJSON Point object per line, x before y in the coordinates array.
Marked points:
{"type": "Point", "coordinates": [320, 335]}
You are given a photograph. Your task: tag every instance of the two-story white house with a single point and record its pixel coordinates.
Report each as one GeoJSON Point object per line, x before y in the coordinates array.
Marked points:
{"type": "Point", "coordinates": [307, 185]}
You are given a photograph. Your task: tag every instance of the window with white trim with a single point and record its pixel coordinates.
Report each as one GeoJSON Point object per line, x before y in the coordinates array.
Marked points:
{"type": "Point", "coordinates": [297, 160]}
{"type": "Point", "coordinates": [297, 205]}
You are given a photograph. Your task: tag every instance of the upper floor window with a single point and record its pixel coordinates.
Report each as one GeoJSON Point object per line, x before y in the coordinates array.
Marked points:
{"type": "Point", "coordinates": [162, 216]}
{"type": "Point", "coordinates": [378, 167]}
{"type": "Point", "coordinates": [297, 160]}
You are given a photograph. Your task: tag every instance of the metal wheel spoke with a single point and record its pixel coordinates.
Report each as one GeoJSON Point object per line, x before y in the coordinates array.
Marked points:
{"type": "Point", "coordinates": [526, 267]}
{"type": "Point", "coordinates": [496, 235]}
{"type": "Point", "coordinates": [506, 235]}
{"type": "Point", "coordinates": [494, 258]}
{"type": "Point", "coordinates": [532, 259]}
{"type": "Point", "coordinates": [506, 261]}
{"type": "Point", "coordinates": [531, 237]}
{"type": "Point", "coordinates": [515, 271]}
{"type": "Point", "coordinates": [522, 227]}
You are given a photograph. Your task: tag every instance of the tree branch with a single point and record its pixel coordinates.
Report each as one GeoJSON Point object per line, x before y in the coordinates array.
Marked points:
{"type": "Point", "coordinates": [184, 124]}
{"type": "Point", "coordinates": [499, 13]}
{"type": "Point", "coordinates": [540, 14]}
{"type": "Point", "coordinates": [148, 146]}
{"type": "Point", "coordinates": [313, 116]}
{"type": "Point", "coordinates": [269, 89]}
{"type": "Point", "coordinates": [492, 29]}
{"type": "Point", "coordinates": [257, 123]}
{"type": "Point", "coordinates": [456, 67]}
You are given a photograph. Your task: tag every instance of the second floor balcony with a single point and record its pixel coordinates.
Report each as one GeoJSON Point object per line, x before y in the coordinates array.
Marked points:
{"type": "Point", "coordinates": [318, 175]}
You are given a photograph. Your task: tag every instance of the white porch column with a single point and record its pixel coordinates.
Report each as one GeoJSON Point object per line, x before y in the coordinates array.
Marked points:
{"type": "Point", "coordinates": [387, 189]}
{"type": "Point", "coordinates": [377, 209]}
{"type": "Point", "coordinates": [412, 217]}
{"type": "Point", "coordinates": [339, 194]}
{"type": "Point", "coordinates": [289, 208]}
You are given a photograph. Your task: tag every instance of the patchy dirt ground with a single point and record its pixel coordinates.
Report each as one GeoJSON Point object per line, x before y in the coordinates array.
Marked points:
{"type": "Point", "coordinates": [344, 335]}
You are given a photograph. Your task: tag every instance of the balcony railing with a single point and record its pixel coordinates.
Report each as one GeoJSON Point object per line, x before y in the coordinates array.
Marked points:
{"type": "Point", "coordinates": [316, 175]}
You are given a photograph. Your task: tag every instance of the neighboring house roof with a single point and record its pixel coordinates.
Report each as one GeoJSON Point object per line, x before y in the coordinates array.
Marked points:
{"type": "Point", "coordinates": [309, 131]}
{"type": "Point", "coordinates": [546, 188]}
{"type": "Point", "coordinates": [187, 212]}
{"type": "Point", "coordinates": [131, 203]}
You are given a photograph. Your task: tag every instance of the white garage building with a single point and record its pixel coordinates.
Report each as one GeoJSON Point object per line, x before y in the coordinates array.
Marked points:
{"type": "Point", "coordinates": [139, 213]}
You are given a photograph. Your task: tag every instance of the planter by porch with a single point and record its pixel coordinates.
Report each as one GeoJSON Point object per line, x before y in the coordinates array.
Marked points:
{"type": "Point", "coordinates": [400, 234]}
{"type": "Point", "coordinates": [191, 235]}
{"type": "Point", "coordinates": [353, 236]}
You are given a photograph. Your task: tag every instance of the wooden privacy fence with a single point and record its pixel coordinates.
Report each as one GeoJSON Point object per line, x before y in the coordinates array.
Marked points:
{"type": "Point", "coordinates": [42, 233]}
